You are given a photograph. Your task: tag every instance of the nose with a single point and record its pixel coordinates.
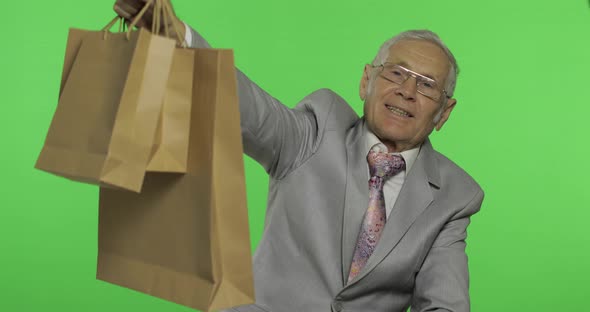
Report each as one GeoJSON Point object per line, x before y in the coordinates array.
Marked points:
{"type": "Point", "coordinates": [407, 90]}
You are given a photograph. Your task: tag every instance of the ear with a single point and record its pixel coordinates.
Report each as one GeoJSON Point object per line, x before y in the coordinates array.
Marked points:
{"type": "Point", "coordinates": [446, 113]}
{"type": "Point", "coordinates": [365, 82]}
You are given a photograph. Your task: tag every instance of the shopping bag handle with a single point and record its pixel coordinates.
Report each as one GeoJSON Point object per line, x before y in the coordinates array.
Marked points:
{"type": "Point", "coordinates": [161, 8]}
{"type": "Point", "coordinates": [116, 19]}
{"type": "Point", "coordinates": [121, 20]}
{"type": "Point", "coordinates": [111, 23]}
{"type": "Point", "coordinates": [168, 16]}
{"type": "Point", "coordinates": [139, 16]}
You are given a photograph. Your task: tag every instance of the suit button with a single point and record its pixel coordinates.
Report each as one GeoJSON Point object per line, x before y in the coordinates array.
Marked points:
{"type": "Point", "coordinates": [337, 306]}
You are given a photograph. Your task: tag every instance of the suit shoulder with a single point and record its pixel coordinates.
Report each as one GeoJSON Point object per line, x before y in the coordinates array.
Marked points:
{"type": "Point", "coordinates": [449, 168]}
{"type": "Point", "coordinates": [466, 194]}
{"type": "Point", "coordinates": [330, 110]}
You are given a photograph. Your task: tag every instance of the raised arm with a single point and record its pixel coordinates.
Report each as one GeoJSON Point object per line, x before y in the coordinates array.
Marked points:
{"type": "Point", "coordinates": [277, 137]}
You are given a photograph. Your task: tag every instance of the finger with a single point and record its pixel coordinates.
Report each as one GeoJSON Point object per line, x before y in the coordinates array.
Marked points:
{"type": "Point", "coordinates": [122, 13]}
{"type": "Point", "coordinates": [147, 17]}
{"type": "Point", "coordinates": [126, 9]}
{"type": "Point", "coordinates": [142, 24]}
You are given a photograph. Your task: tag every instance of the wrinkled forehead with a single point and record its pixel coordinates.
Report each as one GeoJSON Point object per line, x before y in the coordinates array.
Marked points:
{"type": "Point", "coordinates": [421, 56]}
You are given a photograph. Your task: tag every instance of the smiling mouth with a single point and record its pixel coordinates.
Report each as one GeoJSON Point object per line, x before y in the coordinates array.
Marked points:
{"type": "Point", "coordinates": [398, 111]}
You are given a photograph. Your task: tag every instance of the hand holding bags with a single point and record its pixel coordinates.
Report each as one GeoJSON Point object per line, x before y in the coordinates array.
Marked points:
{"type": "Point", "coordinates": [184, 237]}
{"type": "Point", "coordinates": [130, 103]}
{"type": "Point", "coordinates": [111, 97]}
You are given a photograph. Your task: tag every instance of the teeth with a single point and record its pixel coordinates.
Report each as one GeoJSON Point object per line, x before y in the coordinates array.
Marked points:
{"type": "Point", "coordinates": [398, 111]}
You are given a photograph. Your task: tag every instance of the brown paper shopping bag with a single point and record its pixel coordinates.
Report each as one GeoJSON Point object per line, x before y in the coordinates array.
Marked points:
{"type": "Point", "coordinates": [185, 237]}
{"type": "Point", "coordinates": [170, 149]}
{"type": "Point", "coordinates": [111, 95]}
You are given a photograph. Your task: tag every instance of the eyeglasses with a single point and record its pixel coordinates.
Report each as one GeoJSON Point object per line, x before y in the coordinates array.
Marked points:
{"type": "Point", "coordinates": [424, 85]}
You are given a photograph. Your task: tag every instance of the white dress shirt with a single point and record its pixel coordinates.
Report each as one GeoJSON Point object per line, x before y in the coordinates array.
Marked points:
{"type": "Point", "coordinates": [188, 36]}
{"type": "Point", "coordinates": [394, 184]}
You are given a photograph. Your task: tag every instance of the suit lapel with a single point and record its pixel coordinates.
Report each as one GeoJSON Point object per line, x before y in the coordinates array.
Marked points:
{"type": "Point", "coordinates": [356, 196]}
{"type": "Point", "coordinates": [414, 197]}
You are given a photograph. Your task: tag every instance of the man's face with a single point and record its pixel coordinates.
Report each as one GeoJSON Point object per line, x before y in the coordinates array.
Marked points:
{"type": "Point", "coordinates": [400, 132]}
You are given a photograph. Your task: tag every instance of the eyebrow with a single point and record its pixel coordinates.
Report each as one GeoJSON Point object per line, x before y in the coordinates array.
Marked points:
{"type": "Point", "coordinates": [406, 65]}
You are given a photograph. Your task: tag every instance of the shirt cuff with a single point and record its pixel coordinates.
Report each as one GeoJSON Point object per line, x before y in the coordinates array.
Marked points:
{"type": "Point", "coordinates": [188, 35]}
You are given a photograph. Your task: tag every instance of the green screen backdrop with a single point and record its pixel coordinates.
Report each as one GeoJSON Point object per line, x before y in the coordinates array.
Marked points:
{"type": "Point", "coordinates": [520, 128]}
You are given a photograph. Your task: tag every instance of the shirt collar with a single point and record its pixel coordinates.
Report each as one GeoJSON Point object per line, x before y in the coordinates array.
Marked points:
{"type": "Point", "coordinates": [371, 141]}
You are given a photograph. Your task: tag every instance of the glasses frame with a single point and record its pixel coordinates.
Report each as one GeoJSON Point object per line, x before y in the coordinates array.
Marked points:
{"type": "Point", "coordinates": [415, 75]}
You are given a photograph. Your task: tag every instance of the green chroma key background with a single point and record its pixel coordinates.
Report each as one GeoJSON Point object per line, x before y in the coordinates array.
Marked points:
{"type": "Point", "coordinates": [520, 128]}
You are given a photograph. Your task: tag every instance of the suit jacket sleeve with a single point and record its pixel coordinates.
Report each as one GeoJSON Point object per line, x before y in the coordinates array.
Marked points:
{"type": "Point", "coordinates": [442, 283]}
{"type": "Point", "coordinates": [277, 137]}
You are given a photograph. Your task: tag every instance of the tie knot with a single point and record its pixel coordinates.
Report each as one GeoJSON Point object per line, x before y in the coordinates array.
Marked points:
{"type": "Point", "coordinates": [385, 165]}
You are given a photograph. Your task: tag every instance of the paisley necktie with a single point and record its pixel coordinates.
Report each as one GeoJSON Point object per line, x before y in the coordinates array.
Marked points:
{"type": "Point", "coordinates": [381, 167]}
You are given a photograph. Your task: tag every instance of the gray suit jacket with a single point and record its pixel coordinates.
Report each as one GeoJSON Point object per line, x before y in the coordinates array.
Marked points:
{"type": "Point", "coordinates": [317, 197]}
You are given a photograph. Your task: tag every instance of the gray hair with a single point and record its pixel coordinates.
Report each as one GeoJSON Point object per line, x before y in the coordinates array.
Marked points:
{"type": "Point", "coordinates": [426, 35]}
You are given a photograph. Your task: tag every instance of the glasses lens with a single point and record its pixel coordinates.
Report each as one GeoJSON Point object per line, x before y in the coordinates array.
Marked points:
{"type": "Point", "coordinates": [428, 88]}
{"type": "Point", "coordinates": [424, 85]}
{"type": "Point", "coordinates": [394, 74]}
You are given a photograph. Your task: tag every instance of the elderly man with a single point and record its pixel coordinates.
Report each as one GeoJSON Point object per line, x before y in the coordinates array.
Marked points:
{"type": "Point", "coordinates": [363, 214]}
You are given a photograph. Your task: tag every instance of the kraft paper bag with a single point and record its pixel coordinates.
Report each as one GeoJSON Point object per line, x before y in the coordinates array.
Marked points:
{"type": "Point", "coordinates": [170, 149]}
{"type": "Point", "coordinates": [73, 44]}
{"type": "Point", "coordinates": [185, 237]}
{"type": "Point", "coordinates": [105, 123]}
